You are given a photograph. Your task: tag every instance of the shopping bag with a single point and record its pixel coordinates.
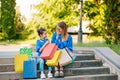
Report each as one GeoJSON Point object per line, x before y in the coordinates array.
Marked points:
{"type": "Point", "coordinates": [45, 44]}
{"type": "Point", "coordinates": [27, 51]}
{"type": "Point", "coordinates": [65, 58]}
{"type": "Point", "coordinates": [54, 60]}
{"type": "Point", "coordinates": [18, 62]}
{"type": "Point", "coordinates": [48, 51]}
{"type": "Point", "coordinates": [30, 69]}
{"type": "Point", "coordinates": [71, 54]}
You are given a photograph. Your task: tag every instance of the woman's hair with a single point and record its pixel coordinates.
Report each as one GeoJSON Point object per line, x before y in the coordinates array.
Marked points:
{"type": "Point", "coordinates": [41, 30]}
{"type": "Point", "coordinates": [63, 26]}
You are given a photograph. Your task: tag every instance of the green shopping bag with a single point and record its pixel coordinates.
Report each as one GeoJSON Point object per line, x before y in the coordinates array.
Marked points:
{"type": "Point", "coordinates": [27, 51]}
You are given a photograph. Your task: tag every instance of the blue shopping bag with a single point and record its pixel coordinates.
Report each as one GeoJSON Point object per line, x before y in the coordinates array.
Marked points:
{"type": "Point", "coordinates": [30, 69]}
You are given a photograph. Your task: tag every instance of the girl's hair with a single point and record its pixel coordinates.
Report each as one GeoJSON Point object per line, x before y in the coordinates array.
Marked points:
{"type": "Point", "coordinates": [63, 26]}
{"type": "Point", "coordinates": [41, 30]}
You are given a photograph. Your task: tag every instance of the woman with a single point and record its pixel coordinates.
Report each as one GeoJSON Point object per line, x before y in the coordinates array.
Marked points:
{"type": "Point", "coordinates": [63, 40]}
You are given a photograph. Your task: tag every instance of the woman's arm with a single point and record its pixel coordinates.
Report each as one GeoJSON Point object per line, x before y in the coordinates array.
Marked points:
{"type": "Point", "coordinates": [56, 39]}
{"type": "Point", "coordinates": [70, 43]}
{"type": "Point", "coordinates": [66, 44]}
{"type": "Point", "coordinates": [53, 38]}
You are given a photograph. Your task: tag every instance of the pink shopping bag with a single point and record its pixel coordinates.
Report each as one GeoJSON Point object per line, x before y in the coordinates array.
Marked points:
{"type": "Point", "coordinates": [49, 51]}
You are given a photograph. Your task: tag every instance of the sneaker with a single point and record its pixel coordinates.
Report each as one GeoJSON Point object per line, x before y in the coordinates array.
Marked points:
{"type": "Point", "coordinates": [49, 75]}
{"type": "Point", "coordinates": [42, 76]}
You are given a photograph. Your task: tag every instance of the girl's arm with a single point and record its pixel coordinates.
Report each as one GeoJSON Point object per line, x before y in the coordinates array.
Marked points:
{"type": "Point", "coordinates": [45, 44]}
{"type": "Point", "coordinates": [38, 46]}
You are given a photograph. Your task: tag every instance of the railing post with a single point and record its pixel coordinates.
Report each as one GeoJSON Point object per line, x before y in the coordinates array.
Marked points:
{"type": "Point", "coordinates": [80, 28]}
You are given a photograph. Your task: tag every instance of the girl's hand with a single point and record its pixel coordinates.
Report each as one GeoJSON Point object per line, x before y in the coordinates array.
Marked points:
{"type": "Point", "coordinates": [47, 42]}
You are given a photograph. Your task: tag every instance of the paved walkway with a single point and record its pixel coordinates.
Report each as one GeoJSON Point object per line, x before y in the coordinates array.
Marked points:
{"type": "Point", "coordinates": [11, 50]}
{"type": "Point", "coordinates": [7, 48]}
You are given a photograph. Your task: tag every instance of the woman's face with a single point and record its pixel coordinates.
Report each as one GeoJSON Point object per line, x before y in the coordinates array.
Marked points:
{"type": "Point", "coordinates": [59, 30]}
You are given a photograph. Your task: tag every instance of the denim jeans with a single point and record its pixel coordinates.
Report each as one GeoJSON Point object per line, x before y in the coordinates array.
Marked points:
{"type": "Point", "coordinates": [41, 64]}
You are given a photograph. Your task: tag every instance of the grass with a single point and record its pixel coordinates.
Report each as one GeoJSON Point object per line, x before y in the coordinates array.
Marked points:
{"type": "Point", "coordinates": [96, 43]}
{"type": "Point", "coordinates": [92, 44]}
{"type": "Point", "coordinates": [115, 48]}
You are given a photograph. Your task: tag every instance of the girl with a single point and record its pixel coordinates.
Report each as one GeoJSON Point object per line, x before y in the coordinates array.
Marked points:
{"type": "Point", "coordinates": [40, 44]}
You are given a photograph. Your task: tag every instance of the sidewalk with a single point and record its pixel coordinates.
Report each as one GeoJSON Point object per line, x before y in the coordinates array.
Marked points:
{"type": "Point", "coordinates": [11, 50]}
{"type": "Point", "coordinates": [8, 48]}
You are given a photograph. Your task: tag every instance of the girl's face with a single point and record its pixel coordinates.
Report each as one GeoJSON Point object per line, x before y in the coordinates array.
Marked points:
{"type": "Point", "coordinates": [59, 30]}
{"type": "Point", "coordinates": [44, 35]}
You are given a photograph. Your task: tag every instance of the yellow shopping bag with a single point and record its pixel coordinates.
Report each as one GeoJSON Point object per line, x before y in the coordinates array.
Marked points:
{"type": "Point", "coordinates": [54, 60]}
{"type": "Point", "coordinates": [18, 62]}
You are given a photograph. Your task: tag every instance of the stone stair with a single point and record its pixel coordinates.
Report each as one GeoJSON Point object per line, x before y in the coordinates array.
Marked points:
{"type": "Point", "coordinates": [7, 69]}
{"type": "Point", "coordinates": [85, 67]}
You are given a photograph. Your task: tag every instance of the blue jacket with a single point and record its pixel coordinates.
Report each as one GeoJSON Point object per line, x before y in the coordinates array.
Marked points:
{"type": "Point", "coordinates": [39, 44]}
{"type": "Point", "coordinates": [62, 44]}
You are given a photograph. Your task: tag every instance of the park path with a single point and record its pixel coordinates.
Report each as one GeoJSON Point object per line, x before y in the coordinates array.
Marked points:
{"type": "Point", "coordinates": [13, 47]}
{"type": "Point", "coordinates": [11, 50]}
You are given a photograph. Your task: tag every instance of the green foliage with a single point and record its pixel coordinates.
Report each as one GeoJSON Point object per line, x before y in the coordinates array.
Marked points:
{"type": "Point", "coordinates": [11, 26]}
{"type": "Point", "coordinates": [21, 32]}
{"type": "Point", "coordinates": [94, 13]}
{"type": "Point", "coordinates": [103, 16]}
{"type": "Point", "coordinates": [111, 24]}
{"type": "Point", "coordinates": [0, 19]}
{"type": "Point", "coordinates": [18, 23]}
{"type": "Point", "coordinates": [51, 12]}
{"type": "Point", "coordinates": [31, 29]}
{"type": "Point", "coordinates": [104, 19]}
{"type": "Point", "coordinates": [7, 18]}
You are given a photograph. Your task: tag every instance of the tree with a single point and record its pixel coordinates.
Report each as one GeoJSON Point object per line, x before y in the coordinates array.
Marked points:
{"type": "Point", "coordinates": [7, 18]}
{"type": "Point", "coordinates": [0, 19]}
{"type": "Point", "coordinates": [21, 31]}
{"type": "Point", "coordinates": [92, 12]}
{"type": "Point", "coordinates": [50, 12]}
{"type": "Point", "coordinates": [104, 19]}
{"type": "Point", "coordinates": [111, 20]}
{"type": "Point", "coordinates": [103, 16]}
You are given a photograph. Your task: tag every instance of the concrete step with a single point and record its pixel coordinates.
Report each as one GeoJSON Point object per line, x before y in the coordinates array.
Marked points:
{"type": "Point", "coordinates": [19, 76]}
{"type": "Point", "coordinates": [79, 51]}
{"type": "Point", "coordinates": [10, 60]}
{"type": "Point", "coordinates": [85, 56]}
{"type": "Point", "coordinates": [76, 64]}
{"type": "Point", "coordinates": [8, 53]}
{"type": "Point", "coordinates": [86, 71]}
{"type": "Point", "coordinates": [85, 63]}
{"type": "Point", "coordinates": [10, 76]}
{"type": "Point", "coordinates": [6, 67]}
{"type": "Point", "coordinates": [6, 60]}
{"type": "Point", "coordinates": [87, 77]}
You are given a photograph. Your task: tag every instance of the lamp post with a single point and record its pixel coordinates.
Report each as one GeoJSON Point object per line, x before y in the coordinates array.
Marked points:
{"type": "Point", "coordinates": [80, 28]}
